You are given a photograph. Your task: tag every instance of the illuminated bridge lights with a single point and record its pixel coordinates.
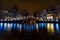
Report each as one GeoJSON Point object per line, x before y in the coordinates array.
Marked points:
{"type": "Point", "coordinates": [49, 18]}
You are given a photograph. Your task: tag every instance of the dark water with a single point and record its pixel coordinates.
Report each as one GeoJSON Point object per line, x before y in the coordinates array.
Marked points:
{"type": "Point", "coordinates": [18, 31]}
{"type": "Point", "coordinates": [6, 27]}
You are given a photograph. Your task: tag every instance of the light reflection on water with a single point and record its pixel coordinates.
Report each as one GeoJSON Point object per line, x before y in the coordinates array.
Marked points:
{"type": "Point", "coordinates": [57, 27]}
{"type": "Point", "coordinates": [42, 26]}
{"type": "Point", "coordinates": [29, 28]}
{"type": "Point", "coordinates": [9, 26]}
{"type": "Point", "coordinates": [14, 26]}
{"type": "Point", "coordinates": [19, 27]}
{"type": "Point", "coordinates": [1, 26]}
{"type": "Point", "coordinates": [50, 28]}
{"type": "Point", "coordinates": [5, 26]}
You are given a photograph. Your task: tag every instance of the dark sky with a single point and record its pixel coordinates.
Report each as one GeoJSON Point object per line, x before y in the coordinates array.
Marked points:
{"type": "Point", "coordinates": [29, 5]}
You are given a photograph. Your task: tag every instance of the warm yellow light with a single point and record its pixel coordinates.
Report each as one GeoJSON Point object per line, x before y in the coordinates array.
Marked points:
{"type": "Point", "coordinates": [49, 14]}
{"type": "Point", "coordinates": [8, 27]}
{"type": "Point", "coordinates": [59, 16]}
{"type": "Point", "coordinates": [50, 28]}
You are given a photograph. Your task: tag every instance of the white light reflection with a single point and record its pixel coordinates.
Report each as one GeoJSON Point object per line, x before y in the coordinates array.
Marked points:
{"type": "Point", "coordinates": [20, 27]}
{"type": "Point", "coordinates": [9, 27]}
{"type": "Point", "coordinates": [37, 27]}
{"type": "Point", "coordinates": [11, 24]}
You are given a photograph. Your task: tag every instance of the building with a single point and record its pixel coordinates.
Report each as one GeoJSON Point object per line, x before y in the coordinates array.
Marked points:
{"type": "Point", "coordinates": [13, 12]}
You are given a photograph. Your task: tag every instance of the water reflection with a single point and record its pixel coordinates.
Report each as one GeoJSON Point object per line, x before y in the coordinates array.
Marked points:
{"type": "Point", "coordinates": [51, 27]}
{"type": "Point", "coordinates": [42, 26]}
{"type": "Point", "coordinates": [1, 26]}
{"type": "Point", "coordinates": [5, 26]}
{"type": "Point", "coordinates": [57, 27]}
{"type": "Point", "coordinates": [19, 27]}
{"type": "Point", "coordinates": [37, 27]}
{"type": "Point", "coordinates": [9, 27]}
{"type": "Point", "coordinates": [25, 27]}
{"type": "Point", "coordinates": [14, 25]}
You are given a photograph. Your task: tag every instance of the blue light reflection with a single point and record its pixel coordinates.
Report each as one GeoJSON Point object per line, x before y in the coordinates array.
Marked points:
{"type": "Point", "coordinates": [5, 27]}
{"type": "Point", "coordinates": [1, 26]}
{"type": "Point", "coordinates": [57, 27]}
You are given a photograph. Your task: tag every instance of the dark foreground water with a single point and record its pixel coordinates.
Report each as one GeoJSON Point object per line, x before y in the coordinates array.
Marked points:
{"type": "Point", "coordinates": [38, 31]}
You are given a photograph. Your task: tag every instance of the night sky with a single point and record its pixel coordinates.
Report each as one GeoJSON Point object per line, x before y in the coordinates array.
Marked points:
{"type": "Point", "coordinates": [29, 5]}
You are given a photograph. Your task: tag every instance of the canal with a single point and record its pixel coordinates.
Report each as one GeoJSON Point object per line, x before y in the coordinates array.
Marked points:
{"type": "Point", "coordinates": [38, 27]}
{"type": "Point", "coordinates": [40, 30]}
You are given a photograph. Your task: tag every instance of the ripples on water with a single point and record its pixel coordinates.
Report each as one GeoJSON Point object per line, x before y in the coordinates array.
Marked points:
{"type": "Point", "coordinates": [50, 27]}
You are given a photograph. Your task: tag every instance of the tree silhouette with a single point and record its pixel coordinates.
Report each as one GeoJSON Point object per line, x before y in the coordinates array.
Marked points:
{"type": "Point", "coordinates": [25, 13]}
